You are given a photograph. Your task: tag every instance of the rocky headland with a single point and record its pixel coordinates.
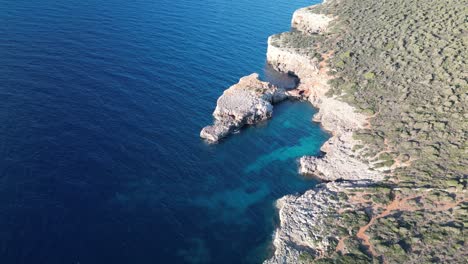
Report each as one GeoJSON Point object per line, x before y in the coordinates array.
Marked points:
{"type": "Point", "coordinates": [248, 102]}
{"type": "Point", "coordinates": [379, 201]}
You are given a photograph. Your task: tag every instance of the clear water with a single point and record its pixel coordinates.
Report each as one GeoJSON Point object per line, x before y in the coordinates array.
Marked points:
{"type": "Point", "coordinates": [101, 106]}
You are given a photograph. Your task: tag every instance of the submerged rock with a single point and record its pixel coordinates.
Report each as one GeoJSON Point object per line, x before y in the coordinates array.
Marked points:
{"type": "Point", "coordinates": [245, 103]}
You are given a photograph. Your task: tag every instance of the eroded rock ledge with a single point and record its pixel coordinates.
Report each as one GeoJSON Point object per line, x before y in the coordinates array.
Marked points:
{"type": "Point", "coordinates": [246, 103]}
{"type": "Point", "coordinates": [337, 117]}
{"type": "Point", "coordinates": [309, 22]}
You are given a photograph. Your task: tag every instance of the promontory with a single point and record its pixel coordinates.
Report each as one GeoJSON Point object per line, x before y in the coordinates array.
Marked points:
{"type": "Point", "coordinates": [390, 81]}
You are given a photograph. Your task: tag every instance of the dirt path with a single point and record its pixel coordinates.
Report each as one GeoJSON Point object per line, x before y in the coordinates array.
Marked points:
{"type": "Point", "coordinates": [323, 65]}
{"type": "Point", "coordinates": [341, 245]}
{"type": "Point", "coordinates": [396, 204]}
{"type": "Point", "coordinates": [400, 204]}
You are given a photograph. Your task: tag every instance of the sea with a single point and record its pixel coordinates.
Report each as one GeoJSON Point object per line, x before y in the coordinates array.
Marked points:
{"type": "Point", "coordinates": [101, 106]}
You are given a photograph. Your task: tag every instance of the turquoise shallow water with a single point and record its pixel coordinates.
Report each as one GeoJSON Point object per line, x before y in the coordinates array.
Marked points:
{"type": "Point", "coordinates": [100, 155]}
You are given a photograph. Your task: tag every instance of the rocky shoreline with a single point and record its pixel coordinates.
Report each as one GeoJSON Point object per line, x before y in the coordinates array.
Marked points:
{"type": "Point", "coordinates": [305, 220]}
{"type": "Point", "coordinates": [386, 199]}
{"type": "Point", "coordinates": [389, 192]}
{"type": "Point", "coordinates": [311, 211]}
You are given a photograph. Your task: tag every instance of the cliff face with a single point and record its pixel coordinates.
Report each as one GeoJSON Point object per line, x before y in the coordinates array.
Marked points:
{"type": "Point", "coordinates": [287, 60]}
{"type": "Point", "coordinates": [308, 21]}
{"type": "Point", "coordinates": [335, 116]}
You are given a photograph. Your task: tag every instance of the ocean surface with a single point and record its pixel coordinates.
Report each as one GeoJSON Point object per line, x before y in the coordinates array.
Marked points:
{"type": "Point", "coordinates": [101, 105]}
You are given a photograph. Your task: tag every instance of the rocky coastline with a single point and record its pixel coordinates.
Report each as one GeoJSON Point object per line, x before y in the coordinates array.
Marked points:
{"type": "Point", "coordinates": [366, 210]}
{"type": "Point", "coordinates": [299, 215]}
{"type": "Point", "coordinates": [251, 101]}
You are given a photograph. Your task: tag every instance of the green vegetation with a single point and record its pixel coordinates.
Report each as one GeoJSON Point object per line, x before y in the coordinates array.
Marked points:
{"type": "Point", "coordinates": [426, 235]}
{"type": "Point", "coordinates": [404, 64]}
{"type": "Point", "coordinates": [305, 258]}
{"type": "Point", "coordinates": [405, 61]}
{"type": "Point", "coordinates": [299, 43]}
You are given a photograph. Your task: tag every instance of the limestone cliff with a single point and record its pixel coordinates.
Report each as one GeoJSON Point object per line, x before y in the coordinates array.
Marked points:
{"type": "Point", "coordinates": [308, 21]}
{"type": "Point", "coordinates": [380, 204]}
{"type": "Point", "coordinates": [337, 117]}
{"type": "Point", "coordinates": [367, 211]}
{"type": "Point", "coordinates": [304, 219]}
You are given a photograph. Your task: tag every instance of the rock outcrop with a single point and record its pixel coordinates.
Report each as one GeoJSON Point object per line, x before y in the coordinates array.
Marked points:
{"type": "Point", "coordinates": [337, 163]}
{"type": "Point", "coordinates": [285, 59]}
{"type": "Point", "coordinates": [305, 222]}
{"type": "Point", "coordinates": [245, 103]}
{"type": "Point", "coordinates": [307, 21]}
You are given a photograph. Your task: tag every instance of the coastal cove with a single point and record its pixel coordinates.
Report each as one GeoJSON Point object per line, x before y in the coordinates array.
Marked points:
{"type": "Point", "coordinates": [102, 107]}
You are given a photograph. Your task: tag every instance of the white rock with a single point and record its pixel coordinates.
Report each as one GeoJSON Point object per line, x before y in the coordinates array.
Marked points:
{"type": "Point", "coordinates": [306, 21]}
{"type": "Point", "coordinates": [305, 222]}
{"type": "Point", "coordinates": [287, 60]}
{"type": "Point", "coordinates": [245, 103]}
{"type": "Point", "coordinates": [303, 218]}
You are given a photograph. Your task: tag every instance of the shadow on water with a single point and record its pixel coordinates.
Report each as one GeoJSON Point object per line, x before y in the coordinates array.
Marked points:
{"type": "Point", "coordinates": [283, 80]}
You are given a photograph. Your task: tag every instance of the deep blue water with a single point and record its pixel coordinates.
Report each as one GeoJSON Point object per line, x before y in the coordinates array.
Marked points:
{"type": "Point", "coordinates": [101, 104]}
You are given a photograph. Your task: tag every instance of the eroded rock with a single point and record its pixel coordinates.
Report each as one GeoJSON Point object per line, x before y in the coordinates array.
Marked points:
{"type": "Point", "coordinates": [288, 60]}
{"type": "Point", "coordinates": [309, 22]}
{"type": "Point", "coordinates": [305, 222]}
{"type": "Point", "coordinates": [305, 219]}
{"type": "Point", "coordinates": [246, 103]}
